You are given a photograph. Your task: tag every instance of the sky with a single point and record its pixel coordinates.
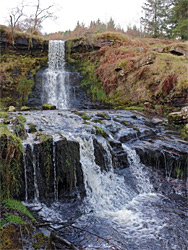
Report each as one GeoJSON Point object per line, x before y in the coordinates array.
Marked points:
{"type": "Point", "coordinates": [123, 12]}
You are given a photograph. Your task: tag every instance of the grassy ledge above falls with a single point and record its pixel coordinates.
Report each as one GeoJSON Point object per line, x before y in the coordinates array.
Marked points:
{"type": "Point", "coordinates": [126, 71]}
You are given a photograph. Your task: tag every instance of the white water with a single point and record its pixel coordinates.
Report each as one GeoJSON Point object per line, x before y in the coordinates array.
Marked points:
{"type": "Point", "coordinates": [55, 173]}
{"type": "Point", "coordinates": [35, 162]}
{"type": "Point", "coordinates": [106, 191]}
{"type": "Point", "coordinates": [55, 88]}
{"type": "Point", "coordinates": [25, 172]}
{"type": "Point", "coordinates": [138, 170]}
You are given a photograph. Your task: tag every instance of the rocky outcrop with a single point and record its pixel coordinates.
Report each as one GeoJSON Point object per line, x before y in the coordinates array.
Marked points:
{"type": "Point", "coordinates": [51, 169]}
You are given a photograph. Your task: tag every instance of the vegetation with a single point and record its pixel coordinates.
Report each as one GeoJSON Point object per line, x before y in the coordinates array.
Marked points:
{"type": "Point", "coordinates": [130, 72]}
{"type": "Point", "coordinates": [166, 18]}
{"type": "Point", "coordinates": [17, 77]}
{"type": "Point", "coordinates": [10, 172]}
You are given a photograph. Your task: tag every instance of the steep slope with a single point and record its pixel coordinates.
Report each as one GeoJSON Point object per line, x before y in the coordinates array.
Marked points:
{"type": "Point", "coordinates": [126, 71]}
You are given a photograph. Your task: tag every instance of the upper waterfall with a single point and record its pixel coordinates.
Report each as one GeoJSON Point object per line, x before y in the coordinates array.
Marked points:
{"type": "Point", "coordinates": [56, 54]}
{"type": "Point", "coordinates": [55, 80]}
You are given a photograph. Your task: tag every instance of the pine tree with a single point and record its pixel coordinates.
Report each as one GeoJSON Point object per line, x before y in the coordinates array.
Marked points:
{"type": "Point", "coordinates": [155, 17]}
{"type": "Point", "coordinates": [180, 19]}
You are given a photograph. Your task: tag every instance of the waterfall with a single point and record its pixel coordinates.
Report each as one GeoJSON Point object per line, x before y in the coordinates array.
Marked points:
{"type": "Point", "coordinates": [138, 171]}
{"type": "Point", "coordinates": [55, 89]}
{"type": "Point", "coordinates": [25, 172]}
{"type": "Point", "coordinates": [106, 191]}
{"type": "Point", "coordinates": [55, 173]}
{"type": "Point", "coordinates": [35, 163]}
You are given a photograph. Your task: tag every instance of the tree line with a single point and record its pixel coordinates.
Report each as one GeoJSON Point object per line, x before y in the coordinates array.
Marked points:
{"type": "Point", "coordinates": [165, 18]}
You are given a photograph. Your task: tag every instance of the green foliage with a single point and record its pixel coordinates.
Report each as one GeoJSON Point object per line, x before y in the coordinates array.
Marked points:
{"type": "Point", "coordinates": [24, 88]}
{"type": "Point", "coordinates": [179, 173]}
{"type": "Point", "coordinates": [10, 155]}
{"type": "Point", "coordinates": [84, 115]}
{"type": "Point", "coordinates": [17, 205]}
{"type": "Point", "coordinates": [17, 79]}
{"type": "Point", "coordinates": [19, 127]}
{"type": "Point", "coordinates": [101, 132]}
{"type": "Point", "coordinates": [48, 107]}
{"type": "Point", "coordinates": [180, 15]}
{"type": "Point", "coordinates": [13, 219]}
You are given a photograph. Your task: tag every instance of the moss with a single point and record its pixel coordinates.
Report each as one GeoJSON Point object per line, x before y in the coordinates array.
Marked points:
{"type": "Point", "coordinates": [48, 107]}
{"type": "Point", "coordinates": [103, 115]}
{"type": "Point", "coordinates": [17, 205]}
{"type": "Point", "coordinates": [25, 108]}
{"type": "Point", "coordinates": [10, 171]}
{"type": "Point", "coordinates": [32, 128]}
{"type": "Point", "coordinates": [42, 242]}
{"type": "Point", "coordinates": [101, 132]}
{"type": "Point", "coordinates": [17, 78]}
{"type": "Point", "coordinates": [19, 127]}
{"type": "Point", "coordinates": [84, 115]}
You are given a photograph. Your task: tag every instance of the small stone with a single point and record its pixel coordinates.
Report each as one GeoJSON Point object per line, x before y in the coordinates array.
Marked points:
{"type": "Point", "coordinates": [11, 109]}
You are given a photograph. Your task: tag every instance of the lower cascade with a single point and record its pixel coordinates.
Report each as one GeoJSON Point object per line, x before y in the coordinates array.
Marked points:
{"type": "Point", "coordinates": [97, 191]}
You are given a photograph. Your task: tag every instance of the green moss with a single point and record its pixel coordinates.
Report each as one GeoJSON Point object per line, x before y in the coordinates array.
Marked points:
{"type": "Point", "coordinates": [17, 77]}
{"type": "Point", "coordinates": [101, 132]}
{"type": "Point", "coordinates": [4, 115]}
{"type": "Point", "coordinates": [84, 115]}
{"type": "Point", "coordinates": [10, 171]}
{"type": "Point", "coordinates": [19, 127]}
{"type": "Point", "coordinates": [48, 107]}
{"type": "Point", "coordinates": [17, 205]}
{"type": "Point", "coordinates": [32, 128]}
{"type": "Point", "coordinates": [25, 108]}
{"type": "Point", "coordinates": [103, 115]}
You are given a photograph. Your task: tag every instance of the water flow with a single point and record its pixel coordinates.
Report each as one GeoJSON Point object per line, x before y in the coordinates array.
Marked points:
{"type": "Point", "coordinates": [138, 170]}
{"type": "Point", "coordinates": [35, 162]}
{"type": "Point", "coordinates": [25, 172]}
{"type": "Point", "coordinates": [55, 79]}
{"type": "Point", "coordinates": [55, 173]}
{"type": "Point", "coordinates": [106, 191]}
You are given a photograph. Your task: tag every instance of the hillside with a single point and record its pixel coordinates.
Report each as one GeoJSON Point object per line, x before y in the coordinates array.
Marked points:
{"type": "Point", "coordinates": [126, 71]}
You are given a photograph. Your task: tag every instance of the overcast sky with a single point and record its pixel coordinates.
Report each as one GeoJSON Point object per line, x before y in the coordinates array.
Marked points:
{"type": "Point", "coordinates": [123, 12]}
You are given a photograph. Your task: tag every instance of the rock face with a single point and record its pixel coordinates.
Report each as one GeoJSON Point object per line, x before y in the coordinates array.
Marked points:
{"type": "Point", "coordinates": [51, 169]}
{"type": "Point", "coordinates": [22, 43]}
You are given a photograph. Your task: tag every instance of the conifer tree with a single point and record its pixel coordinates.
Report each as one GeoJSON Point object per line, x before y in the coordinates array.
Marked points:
{"type": "Point", "coordinates": [156, 17]}
{"type": "Point", "coordinates": [180, 19]}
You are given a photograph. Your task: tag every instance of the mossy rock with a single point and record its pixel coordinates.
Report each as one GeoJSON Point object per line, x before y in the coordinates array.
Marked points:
{"type": "Point", "coordinates": [32, 128]}
{"type": "Point", "coordinates": [175, 117]}
{"type": "Point", "coordinates": [48, 107]}
{"type": "Point", "coordinates": [25, 108]}
{"type": "Point", "coordinates": [11, 109]}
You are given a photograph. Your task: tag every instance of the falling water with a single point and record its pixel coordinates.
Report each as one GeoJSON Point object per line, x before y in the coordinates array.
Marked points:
{"type": "Point", "coordinates": [55, 174]}
{"type": "Point", "coordinates": [55, 79]}
{"type": "Point", "coordinates": [138, 170]}
{"type": "Point", "coordinates": [25, 172]}
{"type": "Point", "coordinates": [35, 162]}
{"type": "Point", "coordinates": [106, 191]}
